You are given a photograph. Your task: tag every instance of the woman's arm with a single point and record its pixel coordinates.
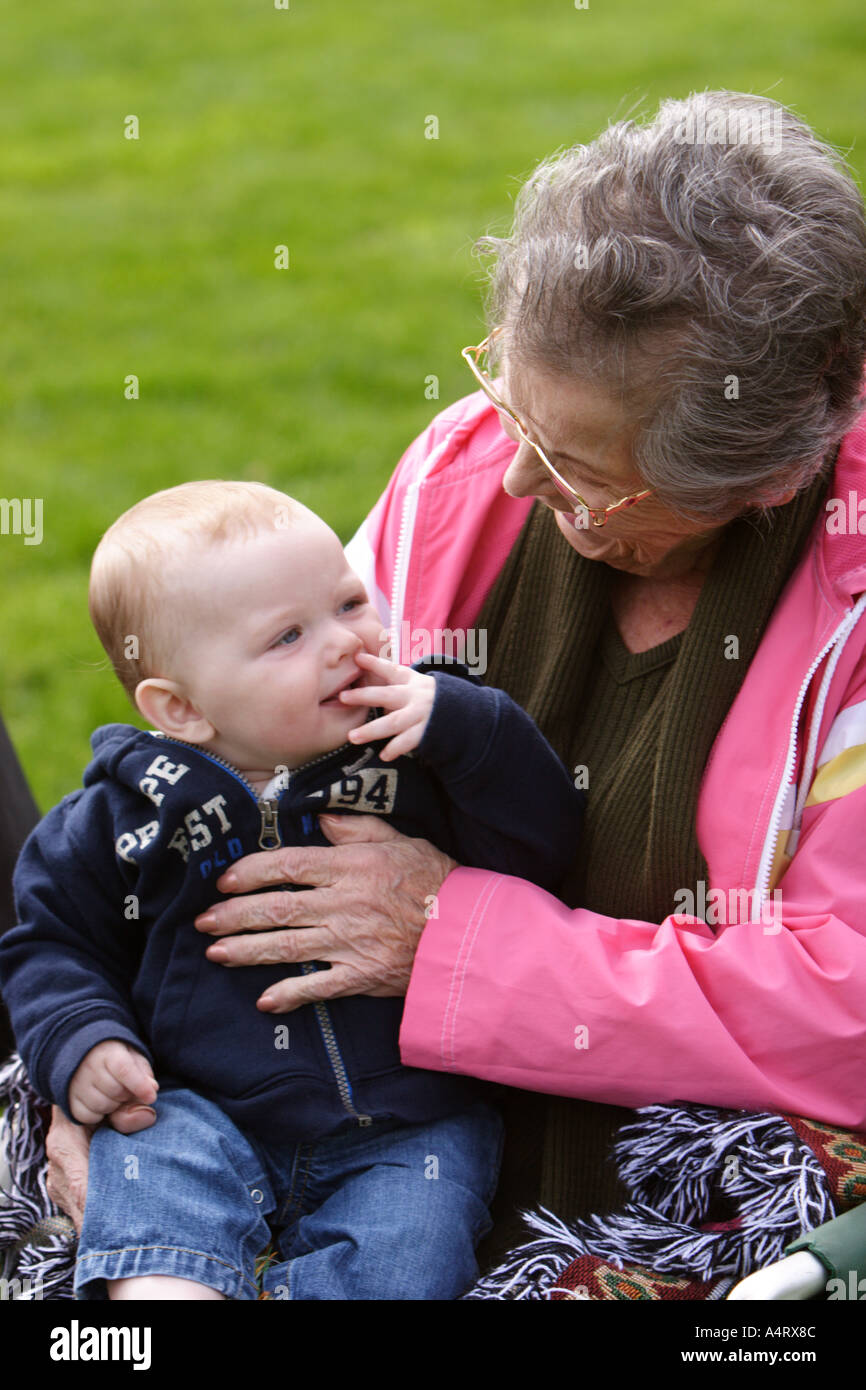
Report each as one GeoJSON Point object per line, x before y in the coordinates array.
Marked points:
{"type": "Point", "coordinates": [512, 986]}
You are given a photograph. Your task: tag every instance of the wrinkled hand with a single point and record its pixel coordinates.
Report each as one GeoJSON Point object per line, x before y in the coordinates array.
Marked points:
{"type": "Point", "coordinates": [67, 1147]}
{"type": "Point", "coordinates": [364, 913]}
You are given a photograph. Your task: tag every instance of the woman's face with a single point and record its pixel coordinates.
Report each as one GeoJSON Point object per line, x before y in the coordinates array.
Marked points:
{"type": "Point", "coordinates": [583, 431]}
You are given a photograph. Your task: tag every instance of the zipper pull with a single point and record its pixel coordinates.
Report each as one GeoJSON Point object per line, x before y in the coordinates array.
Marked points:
{"type": "Point", "coordinates": [269, 837]}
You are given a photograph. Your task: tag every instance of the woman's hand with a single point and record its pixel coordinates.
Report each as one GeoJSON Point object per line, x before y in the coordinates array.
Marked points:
{"type": "Point", "coordinates": [67, 1147]}
{"type": "Point", "coordinates": [365, 911]}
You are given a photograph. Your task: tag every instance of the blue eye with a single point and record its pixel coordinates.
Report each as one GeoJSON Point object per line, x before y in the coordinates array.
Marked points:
{"type": "Point", "coordinates": [281, 641]}
{"type": "Point", "coordinates": [352, 603]}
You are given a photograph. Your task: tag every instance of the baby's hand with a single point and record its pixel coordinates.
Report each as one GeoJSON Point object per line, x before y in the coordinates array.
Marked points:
{"type": "Point", "coordinates": [111, 1075]}
{"type": "Point", "coordinates": [407, 694]}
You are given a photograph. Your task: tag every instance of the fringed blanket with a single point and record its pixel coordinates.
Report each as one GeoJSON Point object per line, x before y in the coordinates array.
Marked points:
{"type": "Point", "coordinates": [715, 1194]}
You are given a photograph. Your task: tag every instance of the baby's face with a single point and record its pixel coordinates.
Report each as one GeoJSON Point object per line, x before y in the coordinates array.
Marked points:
{"type": "Point", "coordinates": [275, 622]}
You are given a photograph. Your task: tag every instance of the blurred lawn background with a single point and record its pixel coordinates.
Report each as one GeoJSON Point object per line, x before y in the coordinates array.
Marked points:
{"type": "Point", "coordinates": [303, 126]}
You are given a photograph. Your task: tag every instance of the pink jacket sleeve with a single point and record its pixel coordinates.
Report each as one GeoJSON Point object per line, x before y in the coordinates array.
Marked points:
{"type": "Point", "coordinates": [511, 986]}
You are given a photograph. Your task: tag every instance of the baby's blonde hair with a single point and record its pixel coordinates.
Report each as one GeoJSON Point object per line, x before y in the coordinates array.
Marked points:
{"type": "Point", "coordinates": [137, 572]}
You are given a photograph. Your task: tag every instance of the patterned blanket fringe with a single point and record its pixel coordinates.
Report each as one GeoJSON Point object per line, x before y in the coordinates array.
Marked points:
{"type": "Point", "coordinates": [675, 1160]}
{"type": "Point", "coordinates": [531, 1270]}
{"type": "Point", "coordinates": [37, 1242]}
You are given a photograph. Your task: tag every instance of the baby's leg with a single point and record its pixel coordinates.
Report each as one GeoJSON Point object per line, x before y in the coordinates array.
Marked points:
{"type": "Point", "coordinates": [175, 1211]}
{"type": "Point", "coordinates": [149, 1288]}
{"type": "Point", "coordinates": [397, 1212]}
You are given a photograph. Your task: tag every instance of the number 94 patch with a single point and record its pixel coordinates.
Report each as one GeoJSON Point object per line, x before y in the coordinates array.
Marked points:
{"type": "Point", "coordinates": [372, 790]}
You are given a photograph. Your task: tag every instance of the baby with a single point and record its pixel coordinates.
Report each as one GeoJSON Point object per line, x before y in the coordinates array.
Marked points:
{"type": "Point", "coordinates": [242, 636]}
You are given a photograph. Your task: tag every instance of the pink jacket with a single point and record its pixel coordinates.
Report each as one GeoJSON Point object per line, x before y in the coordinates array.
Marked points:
{"type": "Point", "coordinates": [767, 1010]}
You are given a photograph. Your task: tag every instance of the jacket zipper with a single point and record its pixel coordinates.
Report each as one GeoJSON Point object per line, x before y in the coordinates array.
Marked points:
{"type": "Point", "coordinates": [326, 1026]}
{"type": "Point", "coordinates": [771, 839]}
{"type": "Point", "coordinates": [404, 541]}
{"type": "Point", "coordinates": [269, 838]}
{"type": "Point", "coordinates": [398, 588]}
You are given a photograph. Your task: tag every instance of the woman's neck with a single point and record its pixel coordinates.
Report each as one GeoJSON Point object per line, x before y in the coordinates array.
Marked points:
{"type": "Point", "coordinates": [649, 610]}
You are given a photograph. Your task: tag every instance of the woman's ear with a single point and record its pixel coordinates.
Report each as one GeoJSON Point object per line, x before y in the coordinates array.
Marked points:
{"type": "Point", "coordinates": [776, 499]}
{"type": "Point", "coordinates": [164, 705]}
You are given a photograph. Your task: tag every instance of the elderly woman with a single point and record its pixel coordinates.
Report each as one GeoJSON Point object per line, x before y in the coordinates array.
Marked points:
{"type": "Point", "coordinates": [649, 508]}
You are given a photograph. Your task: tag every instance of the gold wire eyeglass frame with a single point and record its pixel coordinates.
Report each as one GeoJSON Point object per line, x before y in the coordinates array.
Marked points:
{"type": "Point", "coordinates": [585, 514]}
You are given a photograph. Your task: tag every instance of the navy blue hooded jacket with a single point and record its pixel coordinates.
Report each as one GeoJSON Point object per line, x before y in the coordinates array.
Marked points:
{"type": "Point", "coordinates": [108, 884]}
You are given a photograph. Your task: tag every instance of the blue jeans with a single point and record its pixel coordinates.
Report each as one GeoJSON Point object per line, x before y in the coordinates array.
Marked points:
{"type": "Point", "coordinates": [390, 1211]}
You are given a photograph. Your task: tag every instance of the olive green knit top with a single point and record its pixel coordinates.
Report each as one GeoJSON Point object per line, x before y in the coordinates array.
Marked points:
{"type": "Point", "coordinates": [624, 689]}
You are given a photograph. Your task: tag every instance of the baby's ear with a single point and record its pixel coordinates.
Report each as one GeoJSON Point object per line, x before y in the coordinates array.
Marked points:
{"type": "Point", "coordinates": [164, 705]}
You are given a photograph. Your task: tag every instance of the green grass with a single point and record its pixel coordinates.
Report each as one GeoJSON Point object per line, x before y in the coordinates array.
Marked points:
{"type": "Point", "coordinates": [305, 127]}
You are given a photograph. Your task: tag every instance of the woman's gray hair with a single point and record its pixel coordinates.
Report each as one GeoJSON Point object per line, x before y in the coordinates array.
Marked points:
{"type": "Point", "coordinates": [709, 269]}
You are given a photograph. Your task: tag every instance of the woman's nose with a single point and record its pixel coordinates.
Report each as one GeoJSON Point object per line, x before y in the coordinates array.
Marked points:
{"type": "Point", "coordinates": [525, 475]}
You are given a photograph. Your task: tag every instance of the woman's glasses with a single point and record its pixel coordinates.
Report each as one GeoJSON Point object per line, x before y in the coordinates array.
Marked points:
{"type": "Point", "coordinates": [476, 359]}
